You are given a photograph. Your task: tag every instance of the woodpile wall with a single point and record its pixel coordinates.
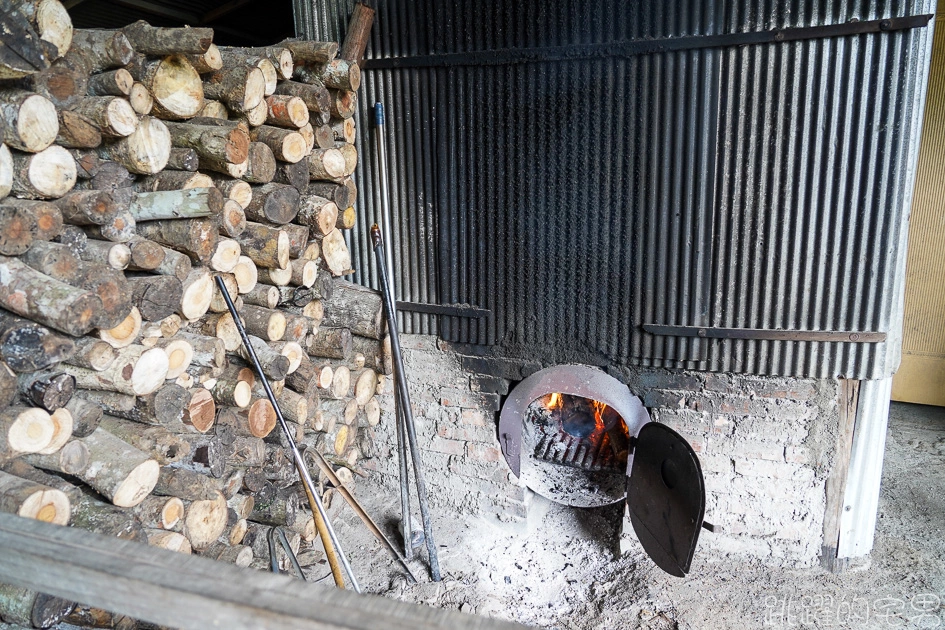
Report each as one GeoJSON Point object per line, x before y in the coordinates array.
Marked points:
{"type": "Point", "coordinates": [136, 166]}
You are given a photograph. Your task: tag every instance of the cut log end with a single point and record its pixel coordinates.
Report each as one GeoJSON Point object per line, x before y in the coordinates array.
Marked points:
{"type": "Point", "coordinates": [47, 505]}
{"type": "Point", "coordinates": [138, 485]}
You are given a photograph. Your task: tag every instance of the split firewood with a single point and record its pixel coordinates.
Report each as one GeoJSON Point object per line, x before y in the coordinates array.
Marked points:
{"type": "Point", "coordinates": [28, 121]}
{"type": "Point", "coordinates": [111, 83]}
{"type": "Point", "coordinates": [173, 83]}
{"type": "Point", "coordinates": [112, 115]}
{"type": "Point", "coordinates": [262, 164]}
{"type": "Point", "coordinates": [103, 49]}
{"type": "Point", "coordinates": [273, 203]}
{"type": "Point", "coordinates": [339, 74]}
{"type": "Point", "coordinates": [318, 213]}
{"type": "Point", "coordinates": [334, 253]}
{"type": "Point", "coordinates": [208, 61]}
{"type": "Point", "coordinates": [77, 132]}
{"type": "Point", "coordinates": [326, 164]}
{"type": "Point", "coordinates": [48, 174]}
{"type": "Point", "coordinates": [32, 500]}
{"type": "Point", "coordinates": [145, 151]}
{"type": "Point", "coordinates": [27, 346]}
{"type": "Point", "coordinates": [151, 40]}
{"type": "Point", "coordinates": [240, 87]}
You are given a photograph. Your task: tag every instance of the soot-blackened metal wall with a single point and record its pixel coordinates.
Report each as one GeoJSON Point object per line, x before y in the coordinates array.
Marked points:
{"type": "Point", "coordinates": [579, 188]}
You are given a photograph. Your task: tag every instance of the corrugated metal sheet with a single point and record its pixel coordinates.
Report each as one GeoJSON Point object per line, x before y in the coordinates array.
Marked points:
{"type": "Point", "coordinates": [762, 186]}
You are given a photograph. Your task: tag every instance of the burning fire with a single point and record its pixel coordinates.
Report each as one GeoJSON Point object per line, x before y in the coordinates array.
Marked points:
{"type": "Point", "coordinates": [554, 402]}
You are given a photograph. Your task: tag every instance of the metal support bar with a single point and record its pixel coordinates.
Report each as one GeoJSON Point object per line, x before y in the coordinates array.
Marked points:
{"type": "Point", "coordinates": [452, 310]}
{"type": "Point", "coordinates": [763, 333]}
{"type": "Point", "coordinates": [512, 56]}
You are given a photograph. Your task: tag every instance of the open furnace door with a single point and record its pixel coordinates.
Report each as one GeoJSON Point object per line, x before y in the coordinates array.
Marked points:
{"type": "Point", "coordinates": [666, 497]}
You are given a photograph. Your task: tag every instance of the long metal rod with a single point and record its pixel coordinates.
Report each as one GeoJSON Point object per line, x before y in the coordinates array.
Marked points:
{"type": "Point", "coordinates": [386, 226]}
{"type": "Point", "coordinates": [274, 559]}
{"type": "Point", "coordinates": [400, 377]}
{"type": "Point", "coordinates": [296, 455]}
{"type": "Point", "coordinates": [329, 472]}
{"type": "Point", "coordinates": [512, 56]}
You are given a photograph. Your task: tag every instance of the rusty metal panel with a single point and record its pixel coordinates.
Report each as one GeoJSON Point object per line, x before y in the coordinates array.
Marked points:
{"type": "Point", "coordinates": [762, 186]}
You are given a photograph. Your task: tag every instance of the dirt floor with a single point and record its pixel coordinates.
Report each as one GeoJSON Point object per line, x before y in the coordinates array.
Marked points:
{"type": "Point", "coordinates": [561, 570]}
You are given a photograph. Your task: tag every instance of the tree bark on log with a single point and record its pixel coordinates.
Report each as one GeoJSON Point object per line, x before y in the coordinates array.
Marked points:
{"type": "Point", "coordinates": [315, 96]}
{"type": "Point", "coordinates": [156, 297]}
{"type": "Point", "coordinates": [331, 343]}
{"type": "Point", "coordinates": [173, 84]}
{"type": "Point", "coordinates": [343, 130]}
{"type": "Point", "coordinates": [318, 213]}
{"type": "Point", "coordinates": [140, 98]}
{"type": "Point", "coordinates": [209, 61]}
{"type": "Point", "coordinates": [287, 145]}
{"type": "Point", "coordinates": [112, 115]}
{"type": "Point", "coordinates": [48, 389]}
{"type": "Point", "coordinates": [295, 175]}
{"type": "Point", "coordinates": [335, 255]}
{"type": "Point", "coordinates": [93, 354]}
{"type": "Point", "coordinates": [90, 207]}
{"type": "Point", "coordinates": [118, 470]}
{"type": "Point", "coordinates": [145, 152]}
{"type": "Point", "coordinates": [216, 146]}
{"type": "Point", "coordinates": [262, 322]}
{"type": "Point", "coordinates": [85, 416]}
{"type": "Point", "coordinates": [48, 174]}
{"type": "Point", "coordinates": [232, 219]}
{"type": "Point", "coordinates": [342, 103]}
{"type": "Point", "coordinates": [195, 237]}
{"type": "Point", "coordinates": [191, 203]}
{"type": "Point", "coordinates": [273, 203]}
{"type": "Point", "coordinates": [111, 83]}
{"type": "Point", "coordinates": [358, 34]}
{"type": "Point", "coordinates": [274, 365]}
{"type": "Point", "coordinates": [285, 110]}
{"type": "Point", "coordinates": [77, 131]}
{"type": "Point", "coordinates": [152, 40]}
{"type": "Point", "coordinates": [136, 371]}
{"type": "Point", "coordinates": [175, 180]}
{"type": "Point", "coordinates": [103, 49]}
{"type": "Point", "coordinates": [239, 87]}
{"type": "Point", "coordinates": [32, 500]}
{"type": "Point", "coordinates": [183, 159]}
{"type": "Point", "coordinates": [262, 164]}
{"type": "Point", "coordinates": [63, 82]}
{"type": "Point", "coordinates": [156, 442]}
{"type": "Point", "coordinates": [338, 74]}
{"type": "Point", "coordinates": [234, 189]}
{"type": "Point", "coordinates": [307, 51]}
{"type": "Point", "coordinates": [326, 164]}
{"type": "Point", "coordinates": [267, 246]}
{"type": "Point", "coordinates": [28, 608]}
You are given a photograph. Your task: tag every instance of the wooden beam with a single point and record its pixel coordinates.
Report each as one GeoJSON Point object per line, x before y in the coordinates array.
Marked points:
{"type": "Point", "coordinates": [190, 592]}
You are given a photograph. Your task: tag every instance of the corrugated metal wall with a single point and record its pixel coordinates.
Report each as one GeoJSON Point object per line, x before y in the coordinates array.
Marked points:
{"type": "Point", "coordinates": [761, 186]}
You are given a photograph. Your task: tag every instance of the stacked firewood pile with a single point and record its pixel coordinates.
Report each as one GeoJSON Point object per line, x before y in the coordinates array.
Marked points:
{"type": "Point", "coordinates": [136, 166]}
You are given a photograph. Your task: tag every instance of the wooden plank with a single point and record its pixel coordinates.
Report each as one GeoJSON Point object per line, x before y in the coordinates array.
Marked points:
{"type": "Point", "coordinates": [190, 592]}
{"type": "Point", "coordinates": [837, 480]}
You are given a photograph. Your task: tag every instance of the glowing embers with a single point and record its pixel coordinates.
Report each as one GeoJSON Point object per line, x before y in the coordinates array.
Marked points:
{"type": "Point", "coordinates": [577, 432]}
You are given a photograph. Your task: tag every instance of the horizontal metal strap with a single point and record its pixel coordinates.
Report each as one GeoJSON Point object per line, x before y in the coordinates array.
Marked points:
{"type": "Point", "coordinates": [765, 334]}
{"type": "Point", "coordinates": [510, 56]}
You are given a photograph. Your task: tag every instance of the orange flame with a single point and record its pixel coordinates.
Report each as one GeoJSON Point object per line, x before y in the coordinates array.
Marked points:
{"type": "Point", "coordinates": [554, 401]}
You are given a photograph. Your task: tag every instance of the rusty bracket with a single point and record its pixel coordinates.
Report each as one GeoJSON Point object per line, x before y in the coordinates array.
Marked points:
{"type": "Point", "coordinates": [766, 334]}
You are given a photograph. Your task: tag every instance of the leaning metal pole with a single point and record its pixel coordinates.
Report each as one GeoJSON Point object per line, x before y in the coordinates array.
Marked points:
{"type": "Point", "coordinates": [400, 378]}
{"type": "Point", "coordinates": [386, 226]}
{"type": "Point", "coordinates": [313, 497]}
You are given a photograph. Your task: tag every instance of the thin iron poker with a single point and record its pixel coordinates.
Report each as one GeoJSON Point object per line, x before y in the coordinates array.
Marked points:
{"type": "Point", "coordinates": [296, 455]}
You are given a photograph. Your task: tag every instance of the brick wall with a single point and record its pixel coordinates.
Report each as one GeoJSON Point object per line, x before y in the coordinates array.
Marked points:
{"type": "Point", "coordinates": [766, 446]}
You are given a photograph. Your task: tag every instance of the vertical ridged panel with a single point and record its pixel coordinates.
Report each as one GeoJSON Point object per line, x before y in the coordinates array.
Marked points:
{"type": "Point", "coordinates": [761, 186]}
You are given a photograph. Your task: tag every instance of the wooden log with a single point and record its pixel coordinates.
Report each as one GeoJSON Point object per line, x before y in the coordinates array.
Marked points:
{"type": "Point", "coordinates": [29, 608]}
{"type": "Point", "coordinates": [326, 164]}
{"type": "Point", "coordinates": [216, 146]}
{"type": "Point", "coordinates": [343, 130]}
{"type": "Point", "coordinates": [229, 390]}
{"type": "Point", "coordinates": [28, 121]}
{"type": "Point", "coordinates": [358, 34]}
{"type": "Point", "coordinates": [111, 176]}
{"type": "Point", "coordinates": [256, 116]}
{"type": "Point", "coordinates": [112, 115]}
{"type": "Point", "coordinates": [232, 220]}
{"type": "Point", "coordinates": [103, 49]}
{"type": "Point", "coordinates": [23, 52]}
{"type": "Point", "coordinates": [32, 500]}
{"type": "Point", "coordinates": [111, 288]}
{"type": "Point", "coordinates": [297, 296]}
{"type": "Point", "coordinates": [172, 263]}
{"type": "Point", "coordinates": [240, 87]}
{"type": "Point", "coordinates": [292, 351]}
{"type": "Point", "coordinates": [63, 82]}
{"type": "Point", "coordinates": [156, 297]}
{"type": "Point", "coordinates": [118, 470]}
{"type": "Point", "coordinates": [262, 164]}
{"type": "Point", "coordinates": [267, 246]}
{"type": "Point", "coordinates": [77, 131]}
{"type": "Point", "coordinates": [377, 354]}
{"type": "Point", "coordinates": [172, 541]}
{"type": "Point", "coordinates": [273, 203]}
{"type": "Point", "coordinates": [340, 383]}
{"type": "Point", "coordinates": [342, 103]}
{"type": "Point", "coordinates": [312, 251]}
{"type": "Point", "coordinates": [280, 509]}
{"type": "Point", "coordinates": [51, 22]}
{"type": "Point", "coordinates": [371, 412]}
{"type": "Point", "coordinates": [213, 109]}
{"type": "Point", "coordinates": [140, 98]}
{"type": "Point", "coordinates": [287, 145]}
{"type": "Point", "coordinates": [146, 255]}
{"type": "Point", "coordinates": [155, 441]}
{"type": "Point", "coordinates": [218, 303]}
{"type": "Point", "coordinates": [245, 275]}
{"type": "Point", "coordinates": [6, 171]}
{"type": "Point", "coordinates": [85, 416]}
{"type": "Point", "coordinates": [48, 174]}
{"type": "Point", "coordinates": [136, 371]}
{"type": "Point", "coordinates": [175, 180]}
{"type": "Point", "coordinates": [93, 354]}
{"type": "Point", "coordinates": [339, 74]}
{"type": "Point", "coordinates": [262, 322]}
{"type": "Point", "coordinates": [264, 295]}
{"type": "Point", "coordinates": [151, 40]}
{"type": "Point", "coordinates": [318, 213]}
{"type": "Point", "coordinates": [345, 411]}
{"type": "Point", "coordinates": [173, 83]}
{"type": "Point", "coordinates": [234, 189]}
{"type": "Point", "coordinates": [197, 293]}
{"type": "Point", "coordinates": [125, 332]}
{"type": "Point", "coordinates": [89, 207]}
{"type": "Point", "coordinates": [120, 228]}
{"type": "Point", "coordinates": [48, 217]}
{"type": "Point", "coordinates": [40, 298]}
{"type": "Point", "coordinates": [205, 521]}
{"type": "Point", "coordinates": [277, 276]}
{"type": "Point", "coordinates": [306, 51]}
{"type": "Point", "coordinates": [222, 326]}
{"type": "Point", "coordinates": [165, 513]}
{"type": "Point", "coordinates": [111, 83]}
{"type": "Point", "coordinates": [195, 237]}
{"type": "Point", "coordinates": [183, 159]}
{"type": "Point", "coordinates": [186, 485]}
{"type": "Point", "coordinates": [274, 365]}
{"type": "Point", "coordinates": [339, 440]}
{"type": "Point", "coordinates": [145, 152]}
{"type": "Point", "coordinates": [356, 307]}
{"type": "Point", "coordinates": [62, 431]}
{"type": "Point", "coordinates": [17, 228]}
{"type": "Point", "coordinates": [304, 274]}
{"type": "Point", "coordinates": [240, 555]}
{"type": "Point", "coordinates": [324, 137]}
{"type": "Point", "coordinates": [364, 385]}
{"type": "Point", "coordinates": [295, 175]}
{"type": "Point", "coordinates": [208, 61]}
{"type": "Point", "coordinates": [226, 256]}
{"type": "Point", "coordinates": [26, 346]}
{"type": "Point", "coordinates": [239, 56]}
{"type": "Point", "coordinates": [350, 155]}
{"type": "Point", "coordinates": [315, 96]}
{"type": "Point", "coordinates": [285, 110]}
{"type": "Point", "coordinates": [335, 255]}
{"type": "Point", "coordinates": [24, 430]}
{"type": "Point", "coordinates": [48, 389]}
{"type": "Point", "coordinates": [308, 134]}
{"type": "Point", "coordinates": [310, 376]}
{"type": "Point", "coordinates": [346, 218]}
{"type": "Point", "coordinates": [188, 203]}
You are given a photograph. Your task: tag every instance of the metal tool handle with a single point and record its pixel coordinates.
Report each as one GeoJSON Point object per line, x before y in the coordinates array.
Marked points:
{"type": "Point", "coordinates": [296, 455]}
{"type": "Point", "coordinates": [274, 559]}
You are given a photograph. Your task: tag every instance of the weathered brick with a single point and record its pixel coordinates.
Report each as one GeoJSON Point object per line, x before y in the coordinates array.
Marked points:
{"type": "Point", "coordinates": [793, 389]}
{"type": "Point", "coordinates": [750, 449]}
{"type": "Point", "coordinates": [716, 463]}
{"type": "Point", "coordinates": [723, 383]}
{"type": "Point", "coordinates": [474, 417]}
{"type": "Point", "coordinates": [774, 469]}
{"type": "Point", "coordinates": [673, 380]}
{"type": "Point", "coordinates": [450, 447]}
{"type": "Point", "coordinates": [450, 397]}
{"type": "Point", "coordinates": [490, 384]}
{"type": "Point", "coordinates": [484, 453]}
{"type": "Point", "coordinates": [660, 399]}
{"type": "Point", "coordinates": [466, 433]}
